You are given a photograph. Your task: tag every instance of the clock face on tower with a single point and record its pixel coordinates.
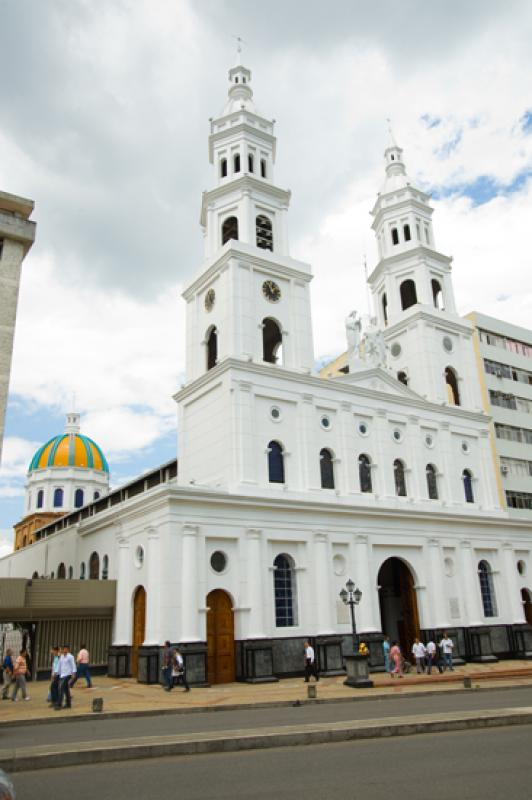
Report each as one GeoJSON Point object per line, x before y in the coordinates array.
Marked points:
{"type": "Point", "coordinates": [209, 299]}
{"type": "Point", "coordinates": [271, 291]}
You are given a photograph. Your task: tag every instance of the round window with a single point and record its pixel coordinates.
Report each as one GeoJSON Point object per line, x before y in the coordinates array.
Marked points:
{"type": "Point", "coordinates": [465, 447]}
{"type": "Point", "coordinates": [218, 561]}
{"type": "Point", "coordinates": [339, 564]}
{"type": "Point", "coordinates": [395, 349]}
{"type": "Point", "coordinates": [397, 435]}
{"type": "Point", "coordinates": [275, 413]}
{"type": "Point", "coordinates": [521, 567]}
{"type": "Point", "coordinates": [447, 344]}
{"type": "Point", "coordinates": [139, 556]}
{"type": "Point", "coordinates": [325, 422]}
{"type": "Point", "coordinates": [429, 441]}
{"type": "Point", "coordinates": [448, 566]}
{"type": "Point", "coordinates": [363, 429]}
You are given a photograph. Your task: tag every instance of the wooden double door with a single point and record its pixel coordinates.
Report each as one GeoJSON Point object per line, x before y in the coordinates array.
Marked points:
{"type": "Point", "coordinates": [220, 638]}
{"type": "Point", "coordinates": [139, 627]}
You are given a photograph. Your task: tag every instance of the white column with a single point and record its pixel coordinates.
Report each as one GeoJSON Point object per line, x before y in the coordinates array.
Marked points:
{"type": "Point", "coordinates": [190, 625]}
{"type": "Point", "coordinates": [382, 472]}
{"type": "Point", "coordinates": [122, 626]}
{"type": "Point", "coordinates": [366, 617]}
{"type": "Point", "coordinates": [346, 482]}
{"type": "Point", "coordinates": [470, 585]}
{"type": "Point", "coordinates": [254, 599]}
{"type": "Point", "coordinates": [488, 494]}
{"type": "Point", "coordinates": [153, 589]}
{"type": "Point", "coordinates": [437, 612]}
{"type": "Point", "coordinates": [246, 222]}
{"type": "Point", "coordinates": [322, 586]}
{"type": "Point", "coordinates": [515, 610]}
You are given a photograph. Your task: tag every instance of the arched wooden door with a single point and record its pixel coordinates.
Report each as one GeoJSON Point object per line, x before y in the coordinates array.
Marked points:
{"type": "Point", "coordinates": [220, 638]}
{"type": "Point", "coordinates": [139, 627]}
{"type": "Point", "coordinates": [526, 597]}
{"type": "Point", "coordinates": [398, 603]}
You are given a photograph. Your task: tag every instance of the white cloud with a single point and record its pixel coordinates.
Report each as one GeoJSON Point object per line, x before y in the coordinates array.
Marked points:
{"type": "Point", "coordinates": [6, 542]}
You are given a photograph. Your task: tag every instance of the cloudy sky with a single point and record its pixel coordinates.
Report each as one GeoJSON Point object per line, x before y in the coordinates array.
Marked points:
{"type": "Point", "coordinates": [104, 111]}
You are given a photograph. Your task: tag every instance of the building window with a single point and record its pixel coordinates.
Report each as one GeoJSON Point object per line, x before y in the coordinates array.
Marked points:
{"type": "Point", "coordinates": [223, 168]}
{"type": "Point", "coordinates": [61, 572]}
{"type": "Point", "coordinates": [275, 463]}
{"type": "Point", "coordinates": [82, 571]}
{"type": "Point", "coordinates": [432, 482]}
{"type": "Point", "coordinates": [58, 498]}
{"type": "Point", "coordinates": [399, 478]}
{"type": "Point", "coordinates": [408, 294]}
{"type": "Point", "coordinates": [385, 308]}
{"type": "Point", "coordinates": [406, 232]}
{"type": "Point", "coordinates": [70, 573]}
{"type": "Point", "coordinates": [212, 348]}
{"type": "Point", "coordinates": [284, 587]}
{"type": "Point", "coordinates": [395, 236]}
{"type": "Point", "coordinates": [519, 500]}
{"type": "Point", "coordinates": [105, 568]}
{"type": "Point", "coordinates": [451, 379]}
{"type": "Point", "coordinates": [437, 294]}
{"type": "Point", "coordinates": [94, 567]}
{"type": "Point", "coordinates": [1, 247]}
{"type": "Point", "coordinates": [264, 232]}
{"type": "Point", "coordinates": [250, 162]}
{"type": "Point", "coordinates": [487, 590]}
{"type": "Point", "coordinates": [40, 498]}
{"type": "Point", "coordinates": [78, 498]}
{"type": "Point", "coordinates": [263, 168]}
{"type": "Point", "coordinates": [236, 162]}
{"type": "Point", "coordinates": [326, 469]}
{"type": "Point", "coordinates": [229, 229]}
{"type": "Point", "coordinates": [467, 478]}
{"type": "Point", "coordinates": [272, 341]}
{"type": "Point", "coordinates": [96, 495]}
{"type": "Point", "coordinates": [364, 473]}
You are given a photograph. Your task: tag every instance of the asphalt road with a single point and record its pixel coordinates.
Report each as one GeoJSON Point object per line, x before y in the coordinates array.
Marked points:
{"type": "Point", "coordinates": [98, 729]}
{"type": "Point", "coordinates": [473, 765]}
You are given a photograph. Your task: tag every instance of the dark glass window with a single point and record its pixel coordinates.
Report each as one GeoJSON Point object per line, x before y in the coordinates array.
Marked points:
{"type": "Point", "coordinates": [263, 168]}
{"type": "Point", "coordinates": [364, 473]}
{"type": "Point", "coordinates": [432, 482]}
{"type": "Point", "coordinates": [94, 567]}
{"type": "Point", "coordinates": [467, 478]}
{"type": "Point", "coordinates": [406, 232]}
{"type": "Point", "coordinates": [236, 162]}
{"type": "Point", "coordinates": [275, 463]}
{"type": "Point", "coordinates": [385, 308]}
{"type": "Point", "coordinates": [284, 586]}
{"type": "Point", "coordinates": [395, 236]}
{"type": "Point", "coordinates": [78, 498]}
{"type": "Point", "coordinates": [399, 477]}
{"type": "Point", "coordinates": [487, 590]}
{"type": "Point", "coordinates": [223, 168]}
{"type": "Point", "coordinates": [58, 498]}
{"type": "Point", "coordinates": [40, 498]}
{"type": "Point", "coordinates": [326, 469]}
{"type": "Point", "coordinates": [250, 162]}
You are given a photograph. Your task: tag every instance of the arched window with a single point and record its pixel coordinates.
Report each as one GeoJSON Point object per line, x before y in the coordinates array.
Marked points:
{"type": "Point", "coordinates": [284, 588]}
{"type": "Point", "coordinates": [395, 236]}
{"type": "Point", "coordinates": [40, 498]}
{"type": "Point", "coordinates": [402, 377]}
{"type": "Point", "coordinates": [94, 567]}
{"type": "Point", "coordinates": [326, 469]}
{"type": "Point", "coordinates": [58, 498]}
{"type": "Point", "coordinates": [406, 233]}
{"type": "Point", "coordinates": [105, 568]}
{"type": "Point", "coordinates": [223, 168]}
{"type": "Point", "coordinates": [250, 162]}
{"type": "Point", "coordinates": [263, 168]}
{"type": "Point", "coordinates": [451, 380]}
{"type": "Point", "coordinates": [275, 463]}
{"type": "Point", "coordinates": [364, 473]}
{"type": "Point", "coordinates": [467, 478]}
{"type": "Point", "coordinates": [399, 478]}
{"type": "Point", "coordinates": [408, 294]}
{"type": "Point", "coordinates": [82, 571]}
{"type": "Point", "coordinates": [432, 482]}
{"type": "Point", "coordinates": [437, 294]}
{"type": "Point", "coordinates": [96, 495]}
{"type": "Point", "coordinates": [272, 341]}
{"type": "Point", "coordinates": [236, 162]}
{"type": "Point", "coordinates": [78, 498]}
{"type": "Point", "coordinates": [229, 229]}
{"type": "Point", "coordinates": [264, 232]}
{"type": "Point", "coordinates": [61, 572]}
{"type": "Point", "coordinates": [212, 348]}
{"type": "Point", "coordinates": [487, 590]}
{"type": "Point", "coordinates": [70, 573]}
{"type": "Point", "coordinates": [385, 308]}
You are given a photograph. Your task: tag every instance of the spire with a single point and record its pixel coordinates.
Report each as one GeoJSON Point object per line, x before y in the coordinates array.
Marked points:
{"type": "Point", "coordinates": [240, 94]}
{"type": "Point", "coordinates": [72, 422]}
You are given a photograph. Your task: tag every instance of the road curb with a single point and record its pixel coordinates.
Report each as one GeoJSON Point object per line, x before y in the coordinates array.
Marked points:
{"type": "Point", "coordinates": [356, 697]}
{"type": "Point", "coordinates": [46, 757]}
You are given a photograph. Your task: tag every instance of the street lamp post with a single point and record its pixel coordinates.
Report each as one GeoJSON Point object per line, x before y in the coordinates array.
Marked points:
{"type": "Point", "coordinates": [351, 597]}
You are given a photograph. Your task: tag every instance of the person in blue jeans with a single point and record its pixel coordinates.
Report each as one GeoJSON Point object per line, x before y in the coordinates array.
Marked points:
{"type": "Point", "coordinates": [82, 661]}
{"type": "Point", "coordinates": [168, 658]}
{"type": "Point", "coordinates": [446, 646]}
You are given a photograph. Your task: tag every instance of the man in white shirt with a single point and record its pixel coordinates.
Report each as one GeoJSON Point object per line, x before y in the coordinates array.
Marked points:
{"type": "Point", "coordinates": [310, 663]}
{"type": "Point", "coordinates": [432, 657]}
{"type": "Point", "coordinates": [447, 645]}
{"type": "Point", "coordinates": [419, 652]}
{"type": "Point", "coordinates": [67, 671]}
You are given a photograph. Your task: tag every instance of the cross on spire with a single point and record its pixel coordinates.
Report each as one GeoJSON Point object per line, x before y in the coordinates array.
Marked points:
{"type": "Point", "coordinates": [239, 42]}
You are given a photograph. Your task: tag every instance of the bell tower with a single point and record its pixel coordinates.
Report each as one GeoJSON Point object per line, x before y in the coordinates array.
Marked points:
{"type": "Point", "coordinates": [430, 345]}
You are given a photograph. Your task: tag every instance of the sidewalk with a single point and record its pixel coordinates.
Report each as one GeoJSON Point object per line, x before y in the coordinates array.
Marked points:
{"type": "Point", "coordinates": [126, 696]}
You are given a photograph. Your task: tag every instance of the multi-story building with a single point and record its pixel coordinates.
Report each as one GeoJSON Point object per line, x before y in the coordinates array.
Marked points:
{"type": "Point", "coordinates": [17, 234]}
{"type": "Point", "coordinates": [504, 360]}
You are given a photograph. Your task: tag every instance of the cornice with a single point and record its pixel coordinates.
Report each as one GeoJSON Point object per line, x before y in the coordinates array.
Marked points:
{"type": "Point", "coordinates": [420, 250]}
{"type": "Point", "coordinates": [245, 182]}
{"type": "Point", "coordinates": [230, 131]}
{"type": "Point", "coordinates": [434, 317]}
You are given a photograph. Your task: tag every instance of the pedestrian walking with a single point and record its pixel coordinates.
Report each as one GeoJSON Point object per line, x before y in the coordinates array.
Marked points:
{"type": "Point", "coordinates": [310, 663]}
{"type": "Point", "coordinates": [53, 694]}
{"type": "Point", "coordinates": [386, 651]}
{"type": "Point", "coordinates": [67, 671]}
{"type": "Point", "coordinates": [20, 668]}
{"type": "Point", "coordinates": [419, 652]}
{"type": "Point", "coordinates": [432, 657]}
{"type": "Point", "coordinates": [447, 645]}
{"type": "Point", "coordinates": [7, 666]}
{"type": "Point", "coordinates": [178, 671]}
{"type": "Point", "coordinates": [397, 661]}
{"type": "Point", "coordinates": [82, 660]}
{"type": "Point", "coordinates": [168, 657]}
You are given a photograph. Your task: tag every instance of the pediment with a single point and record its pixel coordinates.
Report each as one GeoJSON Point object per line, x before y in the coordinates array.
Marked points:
{"type": "Point", "coordinates": [377, 380]}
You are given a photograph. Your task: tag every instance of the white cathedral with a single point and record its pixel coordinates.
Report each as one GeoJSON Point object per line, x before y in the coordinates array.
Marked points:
{"type": "Point", "coordinates": [288, 483]}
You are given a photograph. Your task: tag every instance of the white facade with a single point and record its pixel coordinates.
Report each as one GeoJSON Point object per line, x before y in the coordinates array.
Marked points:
{"type": "Point", "coordinates": [336, 476]}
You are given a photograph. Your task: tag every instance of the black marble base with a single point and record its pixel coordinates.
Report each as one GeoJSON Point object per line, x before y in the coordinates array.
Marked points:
{"type": "Point", "coordinates": [119, 664]}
